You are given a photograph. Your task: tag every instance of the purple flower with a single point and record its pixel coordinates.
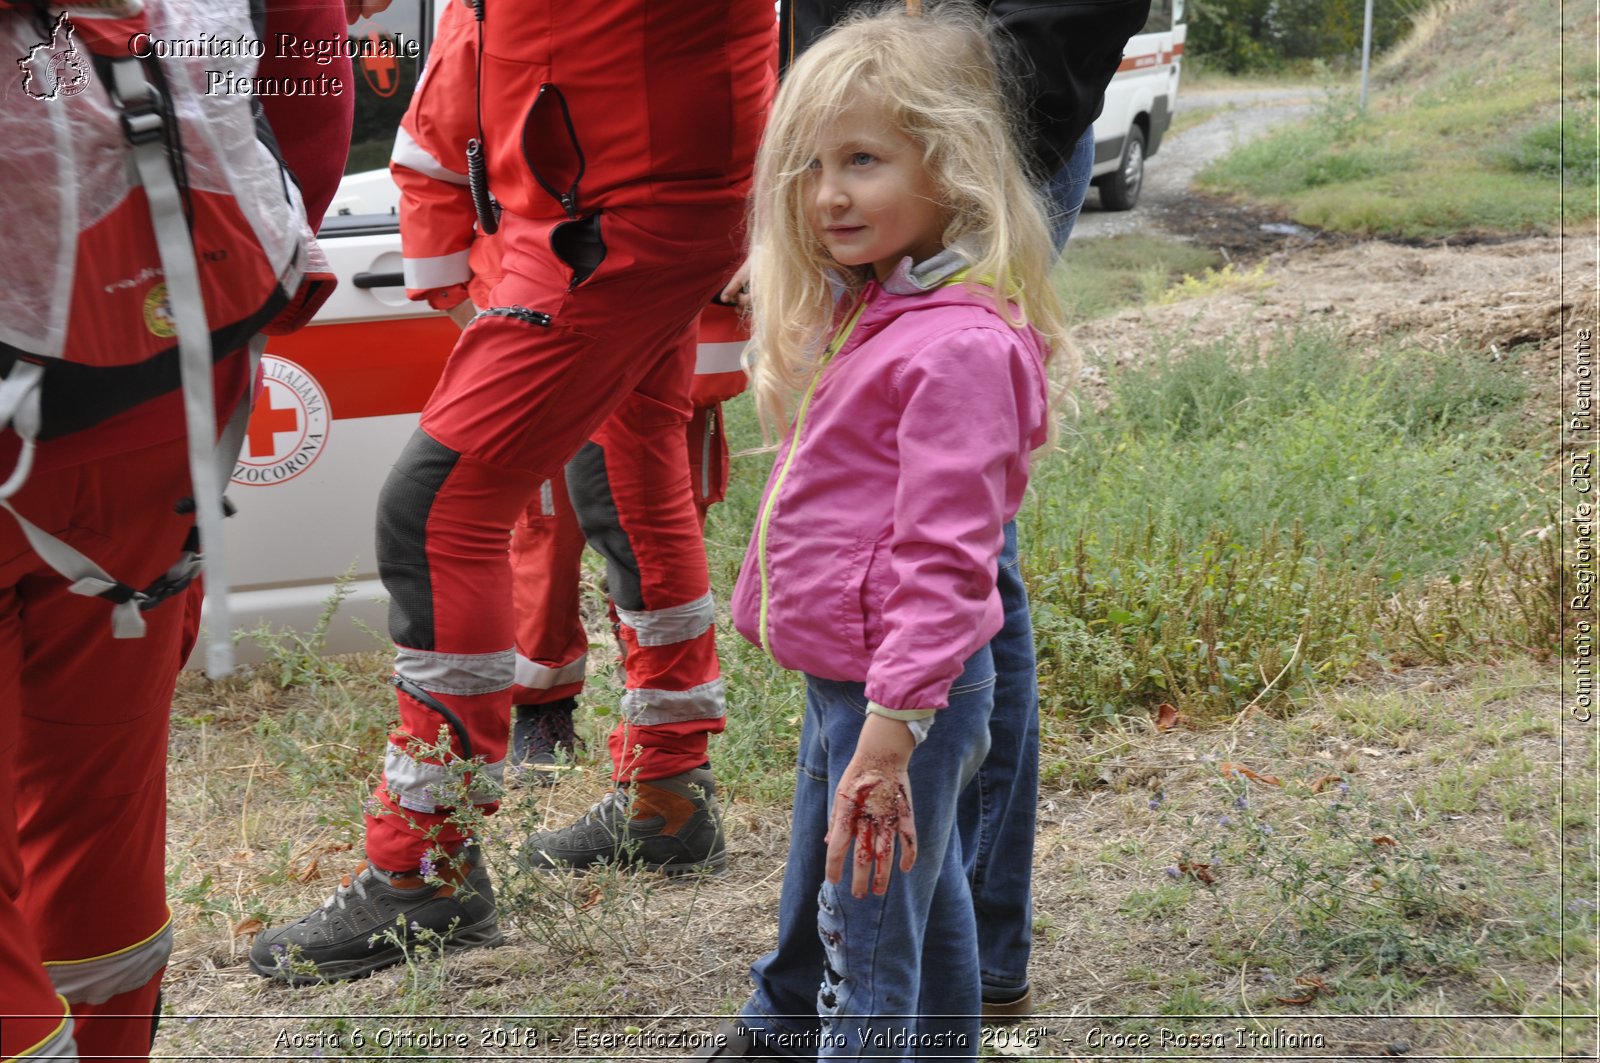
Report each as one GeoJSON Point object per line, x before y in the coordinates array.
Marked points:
{"type": "Point", "coordinates": [1225, 822]}
{"type": "Point", "coordinates": [426, 867]}
{"type": "Point", "coordinates": [1173, 872]}
{"type": "Point", "coordinates": [1156, 801]}
{"type": "Point", "coordinates": [1266, 828]}
{"type": "Point", "coordinates": [1242, 801]}
{"type": "Point", "coordinates": [1344, 789]}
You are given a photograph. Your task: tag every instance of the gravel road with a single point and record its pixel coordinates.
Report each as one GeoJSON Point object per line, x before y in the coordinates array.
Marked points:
{"type": "Point", "coordinates": [1240, 116]}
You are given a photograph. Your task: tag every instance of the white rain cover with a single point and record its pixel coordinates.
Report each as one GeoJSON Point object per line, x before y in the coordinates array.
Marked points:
{"type": "Point", "coordinates": [64, 163]}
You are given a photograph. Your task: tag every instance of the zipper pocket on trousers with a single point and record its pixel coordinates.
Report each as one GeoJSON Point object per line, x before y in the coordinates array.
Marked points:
{"type": "Point", "coordinates": [521, 313]}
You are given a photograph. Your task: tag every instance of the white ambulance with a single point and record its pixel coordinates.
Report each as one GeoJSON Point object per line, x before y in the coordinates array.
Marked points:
{"type": "Point", "coordinates": [1139, 105]}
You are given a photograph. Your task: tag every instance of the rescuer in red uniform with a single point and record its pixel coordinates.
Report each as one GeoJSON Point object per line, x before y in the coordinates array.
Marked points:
{"type": "Point", "coordinates": [453, 267]}
{"type": "Point", "coordinates": [619, 138]}
{"type": "Point", "coordinates": [85, 929]}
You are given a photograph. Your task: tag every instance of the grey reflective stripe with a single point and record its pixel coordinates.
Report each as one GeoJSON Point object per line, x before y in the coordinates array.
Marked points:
{"type": "Point", "coordinates": [547, 499]}
{"type": "Point", "coordinates": [678, 623]}
{"type": "Point", "coordinates": [457, 673]}
{"type": "Point", "coordinates": [97, 980]}
{"type": "Point", "coordinates": [423, 787]}
{"type": "Point", "coordinates": [58, 1046]}
{"type": "Point", "coordinates": [536, 676]}
{"type": "Point", "coordinates": [727, 357]}
{"type": "Point", "coordinates": [413, 156]}
{"type": "Point", "coordinates": [440, 271]}
{"type": "Point", "coordinates": [704, 702]}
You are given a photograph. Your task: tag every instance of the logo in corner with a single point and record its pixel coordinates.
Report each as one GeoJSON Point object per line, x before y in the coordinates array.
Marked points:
{"type": "Point", "coordinates": [288, 428]}
{"type": "Point", "coordinates": [55, 68]}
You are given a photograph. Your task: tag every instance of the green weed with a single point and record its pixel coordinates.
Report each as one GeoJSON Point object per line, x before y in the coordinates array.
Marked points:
{"type": "Point", "coordinates": [1239, 523]}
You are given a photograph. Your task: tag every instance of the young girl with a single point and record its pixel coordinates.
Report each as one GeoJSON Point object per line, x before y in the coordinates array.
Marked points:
{"type": "Point", "coordinates": [903, 314]}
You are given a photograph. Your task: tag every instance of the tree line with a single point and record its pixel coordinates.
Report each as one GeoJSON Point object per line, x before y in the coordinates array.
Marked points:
{"type": "Point", "coordinates": [1259, 36]}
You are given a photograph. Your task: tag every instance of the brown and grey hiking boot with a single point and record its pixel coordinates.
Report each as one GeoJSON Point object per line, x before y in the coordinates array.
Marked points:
{"type": "Point", "coordinates": [671, 825]}
{"type": "Point", "coordinates": [376, 917]}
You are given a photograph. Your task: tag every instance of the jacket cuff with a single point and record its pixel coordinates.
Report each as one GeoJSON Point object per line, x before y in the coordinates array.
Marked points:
{"type": "Point", "coordinates": [904, 715]}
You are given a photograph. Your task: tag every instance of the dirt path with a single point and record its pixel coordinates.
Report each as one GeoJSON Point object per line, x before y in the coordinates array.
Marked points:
{"type": "Point", "coordinates": [1487, 295]}
{"type": "Point", "coordinates": [1240, 116]}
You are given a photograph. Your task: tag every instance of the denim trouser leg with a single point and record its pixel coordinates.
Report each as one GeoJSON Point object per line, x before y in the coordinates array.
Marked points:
{"type": "Point", "coordinates": [998, 809]}
{"type": "Point", "coordinates": [1064, 193]}
{"type": "Point", "coordinates": [846, 980]}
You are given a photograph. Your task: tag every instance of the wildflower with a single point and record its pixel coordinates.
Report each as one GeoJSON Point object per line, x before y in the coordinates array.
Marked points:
{"type": "Point", "coordinates": [1156, 801]}
{"type": "Point", "coordinates": [1173, 872]}
{"type": "Point", "coordinates": [1344, 789]}
{"type": "Point", "coordinates": [1225, 822]}
{"type": "Point", "coordinates": [416, 927]}
{"type": "Point", "coordinates": [426, 867]}
{"type": "Point", "coordinates": [1266, 828]}
{"type": "Point", "coordinates": [1242, 801]}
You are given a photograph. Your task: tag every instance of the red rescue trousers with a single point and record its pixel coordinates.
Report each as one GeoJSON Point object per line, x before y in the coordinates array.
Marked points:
{"type": "Point", "coordinates": [546, 568]}
{"type": "Point", "coordinates": [560, 358]}
{"type": "Point", "coordinates": [83, 755]}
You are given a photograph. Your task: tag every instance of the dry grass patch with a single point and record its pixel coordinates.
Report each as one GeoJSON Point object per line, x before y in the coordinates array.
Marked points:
{"type": "Point", "coordinates": [1460, 768]}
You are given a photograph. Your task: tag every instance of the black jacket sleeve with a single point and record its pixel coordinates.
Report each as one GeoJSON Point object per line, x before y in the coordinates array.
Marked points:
{"type": "Point", "coordinates": [1062, 54]}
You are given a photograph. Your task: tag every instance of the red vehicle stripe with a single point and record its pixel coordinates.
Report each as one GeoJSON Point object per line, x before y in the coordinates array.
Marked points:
{"type": "Point", "coordinates": [1149, 59]}
{"type": "Point", "coordinates": [373, 368]}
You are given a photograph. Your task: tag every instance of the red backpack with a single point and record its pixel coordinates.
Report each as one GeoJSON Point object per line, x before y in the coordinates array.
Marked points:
{"type": "Point", "coordinates": [150, 230]}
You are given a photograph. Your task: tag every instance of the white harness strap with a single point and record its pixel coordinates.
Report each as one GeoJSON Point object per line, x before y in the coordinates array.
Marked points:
{"type": "Point", "coordinates": [141, 118]}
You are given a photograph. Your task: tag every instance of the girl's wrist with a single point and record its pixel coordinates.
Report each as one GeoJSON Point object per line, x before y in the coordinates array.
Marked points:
{"type": "Point", "coordinates": [918, 722]}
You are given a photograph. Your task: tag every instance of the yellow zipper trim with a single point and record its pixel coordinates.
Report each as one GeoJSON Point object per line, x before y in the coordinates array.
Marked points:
{"type": "Point", "coordinates": [788, 460]}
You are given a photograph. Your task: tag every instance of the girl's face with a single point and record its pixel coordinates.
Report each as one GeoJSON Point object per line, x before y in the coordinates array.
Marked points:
{"type": "Point", "coordinates": [873, 201]}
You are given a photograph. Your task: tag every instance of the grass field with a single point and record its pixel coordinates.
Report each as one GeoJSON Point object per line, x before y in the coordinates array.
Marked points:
{"type": "Point", "coordinates": [1480, 124]}
{"type": "Point", "coordinates": [1309, 786]}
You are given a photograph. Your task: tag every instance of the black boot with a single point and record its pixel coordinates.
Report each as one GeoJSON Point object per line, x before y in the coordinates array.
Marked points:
{"type": "Point", "coordinates": [543, 740]}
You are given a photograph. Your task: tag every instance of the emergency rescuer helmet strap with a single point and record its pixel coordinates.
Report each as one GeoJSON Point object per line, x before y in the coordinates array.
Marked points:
{"type": "Point", "coordinates": [146, 129]}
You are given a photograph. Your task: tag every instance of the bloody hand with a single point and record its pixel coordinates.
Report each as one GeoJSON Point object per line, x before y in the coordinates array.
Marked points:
{"type": "Point", "coordinates": [872, 807]}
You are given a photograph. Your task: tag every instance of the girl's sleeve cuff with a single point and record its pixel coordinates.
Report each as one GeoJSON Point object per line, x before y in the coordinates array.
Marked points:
{"type": "Point", "coordinates": [906, 715]}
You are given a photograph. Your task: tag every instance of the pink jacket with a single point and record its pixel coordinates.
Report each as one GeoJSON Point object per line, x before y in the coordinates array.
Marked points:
{"type": "Point", "coordinates": [880, 548]}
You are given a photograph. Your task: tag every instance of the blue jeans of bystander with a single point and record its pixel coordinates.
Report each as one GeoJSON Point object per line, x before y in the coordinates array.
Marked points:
{"type": "Point", "coordinates": [997, 812]}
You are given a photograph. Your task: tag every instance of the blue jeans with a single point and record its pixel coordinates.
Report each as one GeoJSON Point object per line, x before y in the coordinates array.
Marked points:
{"type": "Point", "coordinates": [997, 812]}
{"type": "Point", "coordinates": [881, 977]}
{"type": "Point", "coordinates": [1065, 191]}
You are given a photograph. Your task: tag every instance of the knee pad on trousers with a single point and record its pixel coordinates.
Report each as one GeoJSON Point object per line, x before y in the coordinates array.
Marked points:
{"type": "Point", "coordinates": [403, 508]}
{"type": "Point", "coordinates": [589, 487]}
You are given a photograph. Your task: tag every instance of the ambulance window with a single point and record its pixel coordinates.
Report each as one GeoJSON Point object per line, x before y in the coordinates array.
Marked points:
{"type": "Point", "coordinates": [392, 44]}
{"type": "Point", "coordinates": [1160, 20]}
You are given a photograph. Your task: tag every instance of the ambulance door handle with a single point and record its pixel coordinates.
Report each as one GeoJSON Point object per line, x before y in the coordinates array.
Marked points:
{"type": "Point", "coordinates": [379, 280]}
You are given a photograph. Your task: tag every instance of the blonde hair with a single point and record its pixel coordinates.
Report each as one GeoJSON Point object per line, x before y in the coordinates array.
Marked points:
{"type": "Point", "coordinates": [938, 81]}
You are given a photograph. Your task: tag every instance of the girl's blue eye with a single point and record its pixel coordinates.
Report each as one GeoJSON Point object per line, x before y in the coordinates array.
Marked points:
{"type": "Point", "coordinates": [861, 158]}
{"type": "Point", "coordinates": [814, 164]}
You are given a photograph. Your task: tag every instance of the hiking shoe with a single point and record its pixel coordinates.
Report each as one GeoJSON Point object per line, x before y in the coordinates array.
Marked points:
{"type": "Point", "coordinates": [543, 741]}
{"type": "Point", "coordinates": [1008, 1012]}
{"type": "Point", "coordinates": [376, 917]}
{"type": "Point", "coordinates": [672, 825]}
